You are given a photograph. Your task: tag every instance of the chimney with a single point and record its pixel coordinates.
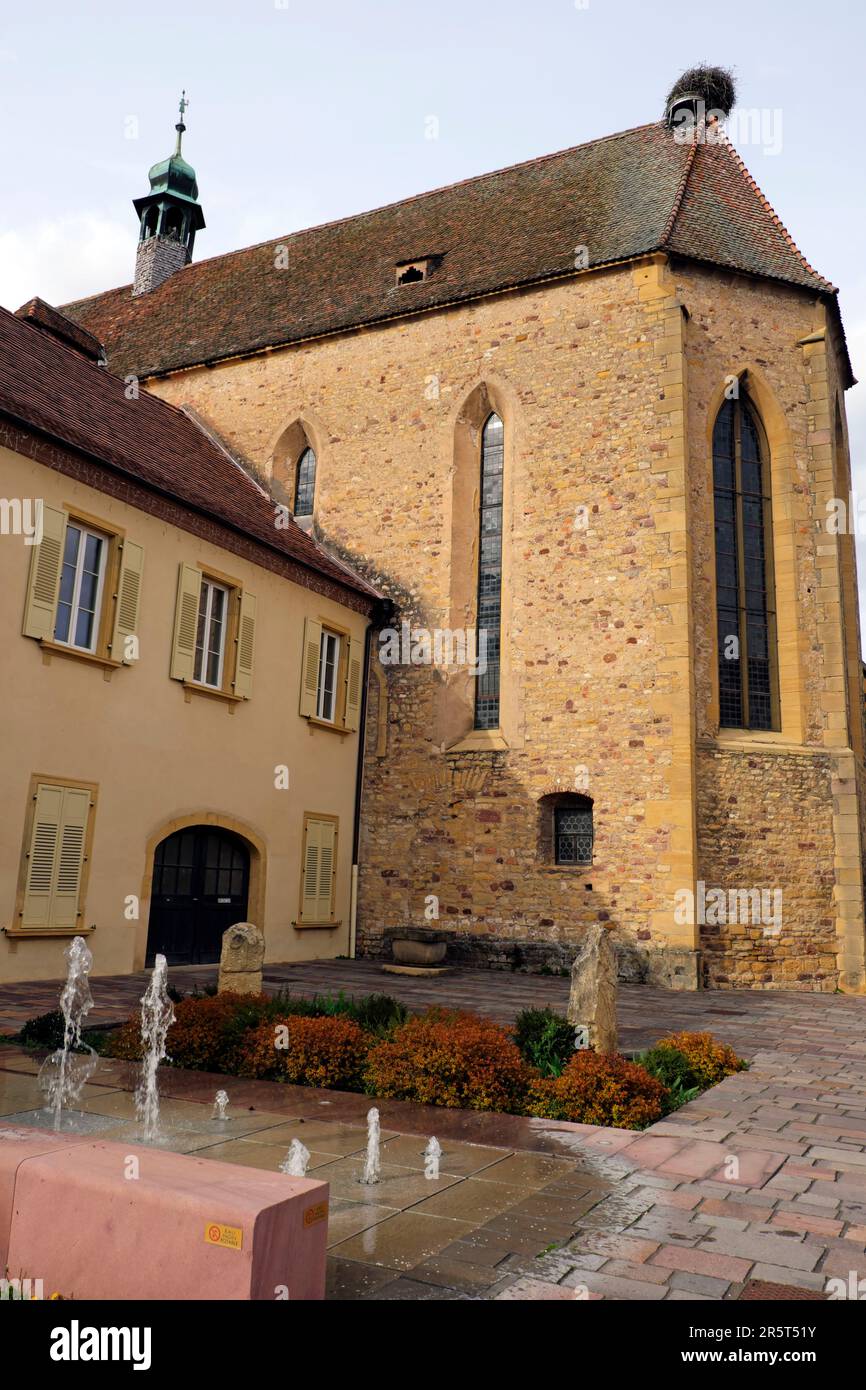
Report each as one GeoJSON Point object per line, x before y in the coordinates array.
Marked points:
{"type": "Point", "coordinates": [701, 94]}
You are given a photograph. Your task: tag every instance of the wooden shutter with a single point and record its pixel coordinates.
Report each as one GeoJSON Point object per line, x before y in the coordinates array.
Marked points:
{"type": "Point", "coordinates": [310, 667]}
{"type": "Point", "coordinates": [185, 623]}
{"type": "Point", "coordinates": [42, 857]}
{"type": "Point", "coordinates": [128, 598]}
{"type": "Point", "coordinates": [327, 869]}
{"type": "Point", "coordinates": [46, 563]}
{"type": "Point", "coordinates": [55, 859]}
{"type": "Point", "coordinates": [354, 682]}
{"type": "Point", "coordinates": [319, 870]}
{"type": "Point", "coordinates": [70, 857]}
{"type": "Point", "coordinates": [243, 682]}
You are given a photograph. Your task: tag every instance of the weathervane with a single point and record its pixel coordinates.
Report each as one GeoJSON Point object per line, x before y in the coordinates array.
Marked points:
{"type": "Point", "coordinates": [180, 127]}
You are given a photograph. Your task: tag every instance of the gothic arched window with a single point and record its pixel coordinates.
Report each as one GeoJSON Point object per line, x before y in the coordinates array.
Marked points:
{"type": "Point", "coordinates": [305, 483]}
{"type": "Point", "coordinates": [490, 575]}
{"type": "Point", "coordinates": [745, 598]}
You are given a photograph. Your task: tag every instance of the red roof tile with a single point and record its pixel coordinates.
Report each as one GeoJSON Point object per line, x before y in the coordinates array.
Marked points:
{"type": "Point", "coordinates": [53, 388]}
{"type": "Point", "coordinates": [621, 197]}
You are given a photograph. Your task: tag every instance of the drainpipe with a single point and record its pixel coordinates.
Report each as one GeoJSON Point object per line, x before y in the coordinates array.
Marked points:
{"type": "Point", "coordinates": [379, 618]}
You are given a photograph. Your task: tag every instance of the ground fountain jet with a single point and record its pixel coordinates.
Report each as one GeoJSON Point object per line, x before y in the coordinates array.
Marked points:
{"type": "Point", "coordinates": [64, 1074]}
{"type": "Point", "coordinates": [432, 1157]}
{"type": "Point", "coordinates": [157, 1016]}
{"type": "Point", "coordinates": [220, 1105]}
{"type": "Point", "coordinates": [296, 1161]}
{"type": "Point", "coordinates": [373, 1161]}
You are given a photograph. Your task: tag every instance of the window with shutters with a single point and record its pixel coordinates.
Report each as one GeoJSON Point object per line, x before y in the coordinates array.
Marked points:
{"type": "Point", "coordinates": [82, 579]}
{"type": "Point", "coordinates": [210, 639]}
{"type": "Point", "coordinates": [55, 856]}
{"type": "Point", "coordinates": [332, 676]}
{"type": "Point", "coordinates": [84, 590]}
{"type": "Point", "coordinates": [213, 646]}
{"type": "Point", "coordinates": [329, 665]}
{"type": "Point", "coordinates": [318, 871]}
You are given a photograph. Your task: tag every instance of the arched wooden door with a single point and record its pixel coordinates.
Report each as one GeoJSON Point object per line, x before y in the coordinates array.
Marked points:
{"type": "Point", "coordinates": [201, 878]}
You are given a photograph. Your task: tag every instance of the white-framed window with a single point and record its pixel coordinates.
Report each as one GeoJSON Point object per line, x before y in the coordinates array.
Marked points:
{"type": "Point", "coordinates": [82, 579]}
{"type": "Point", "coordinates": [210, 639]}
{"type": "Point", "coordinates": [329, 665]}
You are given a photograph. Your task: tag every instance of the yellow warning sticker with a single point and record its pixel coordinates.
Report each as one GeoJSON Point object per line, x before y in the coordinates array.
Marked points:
{"type": "Point", "coordinates": [231, 1237]}
{"type": "Point", "coordinates": [315, 1214]}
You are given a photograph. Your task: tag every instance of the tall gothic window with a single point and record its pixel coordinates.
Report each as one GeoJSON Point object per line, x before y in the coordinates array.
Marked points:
{"type": "Point", "coordinates": [305, 484]}
{"type": "Point", "coordinates": [490, 575]}
{"type": "Point", "coordinates": [745, 599]}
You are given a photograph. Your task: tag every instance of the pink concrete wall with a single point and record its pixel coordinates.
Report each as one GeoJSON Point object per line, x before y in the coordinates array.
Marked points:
{"type": "Point", "coordinates": [113, 1221]}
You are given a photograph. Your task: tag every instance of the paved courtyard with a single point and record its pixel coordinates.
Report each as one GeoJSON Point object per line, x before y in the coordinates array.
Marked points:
{"type": "Point", "coordinates": [762, 1178]}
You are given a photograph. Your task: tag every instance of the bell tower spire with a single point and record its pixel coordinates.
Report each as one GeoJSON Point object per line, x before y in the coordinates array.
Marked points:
{"type": "Point", "coordinates": [169, 217]}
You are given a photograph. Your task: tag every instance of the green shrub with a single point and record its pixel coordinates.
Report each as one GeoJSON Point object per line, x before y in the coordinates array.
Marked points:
{"type": "Point", "coordinates": [44, 1031]}
{"type": "Point", "coordinates": [545, 1039]}
{"type": "Point", "coordinates": [379, 1014]}
{"type": "Point", "coordinates": [670, 1066]}
{"type": "Point", "coordinates": [709, 1061]}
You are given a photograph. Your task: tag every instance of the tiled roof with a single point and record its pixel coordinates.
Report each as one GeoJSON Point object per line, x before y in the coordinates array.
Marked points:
{"type": "Point", "coordinates": [49, 386]}
{"type": "Point", "coordinates": [620, 197]}
{"type": "Point", "coordinates": [45, 317]}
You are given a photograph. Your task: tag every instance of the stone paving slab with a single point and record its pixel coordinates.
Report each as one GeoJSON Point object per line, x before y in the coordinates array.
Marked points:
{"type": "Point", "coordinates": [534, 1210]}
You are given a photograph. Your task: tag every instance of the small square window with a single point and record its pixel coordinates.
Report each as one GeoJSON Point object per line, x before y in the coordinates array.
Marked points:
{"type": "Point", "coordinates": [573, 834]}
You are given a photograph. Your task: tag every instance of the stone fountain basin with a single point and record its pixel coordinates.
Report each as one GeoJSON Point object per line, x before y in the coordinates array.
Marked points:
{"type": "Point", "coordinates": [108, 1221]}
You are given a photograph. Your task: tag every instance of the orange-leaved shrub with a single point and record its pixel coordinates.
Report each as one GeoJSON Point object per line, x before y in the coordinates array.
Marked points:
{"type": "Point", "coordinates": [599, 1089]}
{"type": "Point", "coordinates": [709, 1060]}
{"type": "Point", "coordinates": [306, 1052]}
{"type": "Point", "coordinates": [455, 1060]}
{"type": "Point", "coordinates": [205, 1033]}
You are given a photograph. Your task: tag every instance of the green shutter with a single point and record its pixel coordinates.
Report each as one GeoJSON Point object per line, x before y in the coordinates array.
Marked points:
{"type": "Point", "coordinates": [128, 598]}
{"type": "Point", "coordinates": [310, 667]}
{"type": "Point", "coordinates": [55, 859]}
{"type": "Point", "coordinates": [354, 683]}
{"type": "Point", "coordinates": [319, 870]}
{"type": "Point", "coordinates": [46, 562]}
{"type": "Point", "coordinates": [185, 623]}
{"type": "Point", "coordinates": [243, 682]}
{"type": "Point", "coordinates": [70, 858]}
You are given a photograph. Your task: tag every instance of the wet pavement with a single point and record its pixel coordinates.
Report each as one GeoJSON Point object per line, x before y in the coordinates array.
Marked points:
{"type": "Point", "coordinates": [762, 1177]}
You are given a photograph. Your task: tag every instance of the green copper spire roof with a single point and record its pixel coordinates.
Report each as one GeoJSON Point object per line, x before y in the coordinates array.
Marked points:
{"type": "Point", "coordinates": [174, 175]}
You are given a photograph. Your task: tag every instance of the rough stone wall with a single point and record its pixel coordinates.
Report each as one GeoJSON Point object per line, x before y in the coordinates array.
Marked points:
{"type": "Point", "coordinates": [767, 818]}
{"type": "Point", "coordinates": [585, 383]}
{"type": "Point", "coordinates": [607, 631]}
{"type": "Point", "coordinates": [765, 822]}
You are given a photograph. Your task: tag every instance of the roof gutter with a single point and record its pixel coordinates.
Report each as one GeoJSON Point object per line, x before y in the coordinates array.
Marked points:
{"type": "Point", "coordinates": [374, 598]}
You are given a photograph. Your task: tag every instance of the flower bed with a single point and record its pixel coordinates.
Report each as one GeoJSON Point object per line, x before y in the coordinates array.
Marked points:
{"type": "Point", "coordinates": [456, 1060]}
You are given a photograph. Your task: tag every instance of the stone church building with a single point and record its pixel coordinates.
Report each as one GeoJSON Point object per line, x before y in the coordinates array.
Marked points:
{"type": "Point", "coordinates": [580, 420]}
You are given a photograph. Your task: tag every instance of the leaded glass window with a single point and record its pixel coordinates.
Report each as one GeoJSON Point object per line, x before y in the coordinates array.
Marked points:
{"type": "Point", "coordinates": [745, 600]}
{"type": "Point", "coordinates": [490, 574]}
{"type": "Point", "coordinates": [573, 833]}
{"type": "Point", "coordinates": [305, 484]}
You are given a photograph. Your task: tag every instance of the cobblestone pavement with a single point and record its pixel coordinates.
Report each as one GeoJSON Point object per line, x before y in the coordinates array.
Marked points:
{"type": "Point", "coordinates": [763, 1177]}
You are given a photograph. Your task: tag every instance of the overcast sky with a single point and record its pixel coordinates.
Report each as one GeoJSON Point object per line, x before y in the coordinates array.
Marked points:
{"type": "Point", "coordinates": [304, 112]}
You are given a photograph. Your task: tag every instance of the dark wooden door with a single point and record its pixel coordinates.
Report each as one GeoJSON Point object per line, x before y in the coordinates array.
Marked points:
{"type": "Point", "coordinates": [200, 888]}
